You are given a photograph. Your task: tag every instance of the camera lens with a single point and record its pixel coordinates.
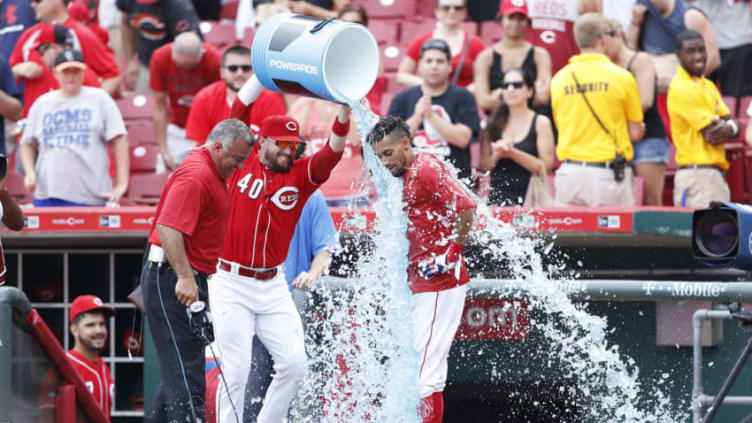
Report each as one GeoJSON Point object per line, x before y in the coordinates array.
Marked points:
{"type": "Point", "coordinates": [717, 233]}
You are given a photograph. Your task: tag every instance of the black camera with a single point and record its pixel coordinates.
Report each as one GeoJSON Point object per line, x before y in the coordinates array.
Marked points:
{"type": "Point", "coordinates": [722, 235]}
{"type": "Point", "coordinates": [200, 321]}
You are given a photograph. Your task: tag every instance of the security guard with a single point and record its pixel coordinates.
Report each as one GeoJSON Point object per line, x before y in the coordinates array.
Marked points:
{"type": "Point", "coordinates": [596, 107]}
{"type": "Point", "coordinates": [700, 124]}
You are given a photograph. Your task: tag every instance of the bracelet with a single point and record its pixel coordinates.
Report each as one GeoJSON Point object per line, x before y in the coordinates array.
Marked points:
{"type": "Point", "coordinates": [340, 129]}
{"type": "Point", "coordinates": [733, 126]}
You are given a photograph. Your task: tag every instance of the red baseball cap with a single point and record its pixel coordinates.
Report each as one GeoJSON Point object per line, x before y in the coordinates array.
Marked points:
{"type": "Point", "coordinates": [510, 7]}
{"type": "Point", "coordinates": [281, 128]}
{"type": "Point", "coordinates": [85, 303]}
{"type": "Point", "coordinates": [79, 11]}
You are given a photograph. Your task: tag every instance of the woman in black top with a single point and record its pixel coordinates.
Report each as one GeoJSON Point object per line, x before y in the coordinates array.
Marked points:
{"type": "Point", "coordinates": [512, 51]}
{"type": "Point", "coordinates": [517, 141]}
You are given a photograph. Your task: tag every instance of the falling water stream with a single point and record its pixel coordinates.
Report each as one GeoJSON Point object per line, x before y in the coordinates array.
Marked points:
{"type": "Point", "coordinates": [364, 366]}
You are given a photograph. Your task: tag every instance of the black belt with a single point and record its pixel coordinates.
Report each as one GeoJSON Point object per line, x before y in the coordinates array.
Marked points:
{"type": "Point", "coordinates": [153, 265]}
{"type": "Point", "coordinates": [603, 165]}
{"type": "Point", "coordinates": [699, 166]}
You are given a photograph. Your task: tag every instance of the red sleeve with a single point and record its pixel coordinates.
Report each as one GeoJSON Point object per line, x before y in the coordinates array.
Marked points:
{"type": "Point", "coordinates": [95, 53]}
{"type": "Point", "coordinates": [91, 79]}
{"type": "Point", "coordinates": [322, 163]}
{"type": "Point", "coordinates": [413, 51]}
{"type": "Point", "coordinates": [432, 176]}
{"type": "Point", "coordinates": [17, 56]}
{"type": "Point", "coordinates": [182, 206]}
{"type": "Point", "coordinates": [197, 127]}
{"type": "Point", "coordinates": [158, 66]}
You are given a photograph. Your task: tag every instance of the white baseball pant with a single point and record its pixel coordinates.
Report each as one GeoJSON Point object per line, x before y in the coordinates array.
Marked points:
{"type": "Point", "coordinates": [436, 316]}
{"type": "Point", "coordinates": [241, 308]}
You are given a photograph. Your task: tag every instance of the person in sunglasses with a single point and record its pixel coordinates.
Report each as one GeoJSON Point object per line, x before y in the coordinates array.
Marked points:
{"type": "Point", "coordinates": [212, 104]}
{"type": "Point", "coordinates": [178, 71]}
{"type": "Point", "coordinates": [517, 141]}
{"type": "Point", "coordinates": [249, 294]}
{"type": "Point", "coordinates": [464, 47]}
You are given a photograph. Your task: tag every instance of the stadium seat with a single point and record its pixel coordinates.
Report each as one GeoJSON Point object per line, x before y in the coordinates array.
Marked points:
{"type": "Point", "coordinates": [382, 9]}
{"type": "Point", "coordinates": [247, 40]}
{"type": "Point", "coordinates": [386, 32]}
{"type": "Point", "coordinates": [141, 132]}
{"type": "Point", "coordinates": [145, 190]}
{"type": "Point", "coordinates": [744, 104]}
{"type": "Point", "coordinates": [731, 103]}
{"type": "Point", "coordinates": [410, 30]}
{"type": "Point", "coordinates": [392, 55]}
{"type": "Point", "coordinates": [217, 34]}
{"type": "Point", "coordinates": [15, 185]}
{"type": "Point", "coordinates": [140, 106]}
{"type": "Point", "coordinates": [143, 158]}
{"type": "Point", "coordinates": [490, 32]}
{"type": "Point", "coordinates": [735, 176]}
{"type": "Point", "coordinates": [425, 8]}
{"type": "Point", "coordinates": [229, 11]}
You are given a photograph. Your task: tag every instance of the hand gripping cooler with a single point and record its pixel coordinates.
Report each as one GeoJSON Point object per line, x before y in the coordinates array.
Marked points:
{"type": "Point", "coordinates": [327, 59]}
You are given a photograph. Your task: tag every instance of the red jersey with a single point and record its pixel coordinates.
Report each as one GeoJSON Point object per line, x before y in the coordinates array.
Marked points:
{"type": "Point", "coordinates": [210, 107]}
{"type": "Point", "coordinates": [195, 202]}
{"type": "Point", "coordinates": [466, 73]}
{"type": "Point", "coordinates": [182, 86]}
{"type": "Point", "coordinates": [552, 27]}
{"type": "Point", "coordinates": [97, 378]}
{"type": "Point", "coordinates": [431, 214]}
{"type": "Point", "coordinates": [266, 206]}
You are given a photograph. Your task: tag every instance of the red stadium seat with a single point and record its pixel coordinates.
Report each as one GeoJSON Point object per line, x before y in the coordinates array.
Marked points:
{"type": "Point", "coordinates": [247, 40]}
{"type": "Point", "coordinates": [744, 104]}
{"type": "Point", "coordinates": [392, 55]}
{"type": "Point", "coordinates": [141, 132]}
{"type": "Point", "coordinates": [145, 190]}
{"type": "Point", "coordinates": [385, 32]}
{"type": "Point", "coordinates": [425, 8]}
{"type": "Point", "coordinates": [735, 177]}
{"type": "Point", "coordinates": [490, 32]}
{"type": "Point", "coordinates": [15, 185]}
{"type": "Point", "coordinates": [381, 9]}
{"type": "Point", "coordinates": [229, 10]}
{"type": "Point", "coordinates": [140, 106]}
{"type": "Point", "coordinates": [143, 158]}
{"type": "Point", "coordinates": [731, 104]}
{"type": "Point", "coordinates": [217, 34]}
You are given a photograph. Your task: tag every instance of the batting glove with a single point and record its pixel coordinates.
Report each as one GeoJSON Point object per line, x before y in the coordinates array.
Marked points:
{"type": "Point", "coordinates": [437, 265]}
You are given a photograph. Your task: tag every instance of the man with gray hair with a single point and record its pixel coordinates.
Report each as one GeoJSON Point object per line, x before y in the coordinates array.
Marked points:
{"type": "Point", "coordinates": [597, 108]}
{"type": "Point", "coordinates": [183, 252]}
{"type": "Point", "coordinates": [178, 72]}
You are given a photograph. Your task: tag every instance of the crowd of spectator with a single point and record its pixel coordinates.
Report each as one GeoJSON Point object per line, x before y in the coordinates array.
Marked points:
{"type": "Point", "coordinates": [505, 91]}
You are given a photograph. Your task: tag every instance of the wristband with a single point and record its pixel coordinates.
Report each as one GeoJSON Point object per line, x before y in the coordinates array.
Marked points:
{"type": "Point", "coordinates": [340, 129]}
{"type": "Point", "coordinates": [733, 126]}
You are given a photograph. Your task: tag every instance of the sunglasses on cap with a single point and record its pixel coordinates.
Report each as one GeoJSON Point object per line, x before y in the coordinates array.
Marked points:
{"type": "Point", "coordinates": [235, 68]}
{"type": "Point", "coordinates": [448, 8]}
{"type": "Point", "coordinates": [516, 85]}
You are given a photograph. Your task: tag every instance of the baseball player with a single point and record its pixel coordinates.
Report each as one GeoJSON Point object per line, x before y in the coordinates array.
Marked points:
{"type": "Point", "coordinates": [88, 325]}
{"type": "Point", "coordinates": [249, 294]}
{"type": "Point", "coordinates": [438, 223]}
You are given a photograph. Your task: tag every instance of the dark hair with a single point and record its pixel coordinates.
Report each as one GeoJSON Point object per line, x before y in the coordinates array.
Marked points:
{"type": "Point", "coordinates": [436, 44]}
{"type": "Point", "coordinates": [500, 116]}
{"type": "Point", "coordinates": [236, 49]}
{"type": "Point", "coordinates": [357, 8]}
{"type": "Point", "coordinates": [389, 126]}
{"type": "Point", "coordinates": [686, 35]}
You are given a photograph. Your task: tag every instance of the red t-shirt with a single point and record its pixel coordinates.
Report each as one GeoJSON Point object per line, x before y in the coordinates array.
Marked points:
{"type": "Point", "coordinates": [431, 213]}
{"type": "Point", "coordinates": [210, 107]}
{"type": "Point", "coordinates": [195, 202]}
{"type": "Point", "coordinates": [182, 86]}
{"type": "Point", "coordinates": [474, 49]}
{"type": "Point", "coordinates": [266, 206]}
{"type": "Point", "coordinates": [552, 27]}
{"type": "Point", "coordinates": [97, 378]}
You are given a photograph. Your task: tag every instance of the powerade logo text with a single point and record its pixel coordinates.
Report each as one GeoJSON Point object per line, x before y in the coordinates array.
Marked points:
{"type": "Point", "coordinates": [295, 67]}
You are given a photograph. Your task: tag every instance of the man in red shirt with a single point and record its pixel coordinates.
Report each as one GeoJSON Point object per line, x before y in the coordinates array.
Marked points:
{"type": "Point", "coordinates": [88, 325]}
{"type": "Point", "coordinates": [96, 55]}
{"type": "Point", "coordinates": [249, 293]}
{"type": "Point", "coordinates": [50, 40]}
{"type": "Point", "coordinates": [212, 103]}
{"type": "Point", "coordinates": [183, 249]}
{"type": "Point", "coordinates": [438, 222]}
{"type": "Point", "coordinates": [178, 71]}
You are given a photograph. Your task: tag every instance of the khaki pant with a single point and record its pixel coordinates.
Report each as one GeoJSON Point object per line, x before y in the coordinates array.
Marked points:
{"type": "Point", "coordinates": [698, 187]}
{"type": "Point", "coordinates": [578, 185]}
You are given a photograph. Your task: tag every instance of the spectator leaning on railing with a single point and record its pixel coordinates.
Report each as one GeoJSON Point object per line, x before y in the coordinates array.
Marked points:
{"type": "Point", "coordinates": [700, 124]}
{"type": "Point", "coordinates": [64, 145]}
{"type": "Point", "coordinates": [597, 109]}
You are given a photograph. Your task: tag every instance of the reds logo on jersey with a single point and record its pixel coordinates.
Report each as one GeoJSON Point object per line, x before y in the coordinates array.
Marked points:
{"type": "Point", "coordinates": [285, 198]}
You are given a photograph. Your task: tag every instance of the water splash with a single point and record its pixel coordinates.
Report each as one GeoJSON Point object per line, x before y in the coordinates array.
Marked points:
{"type": "Point", "coordinates": [366, 369]}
